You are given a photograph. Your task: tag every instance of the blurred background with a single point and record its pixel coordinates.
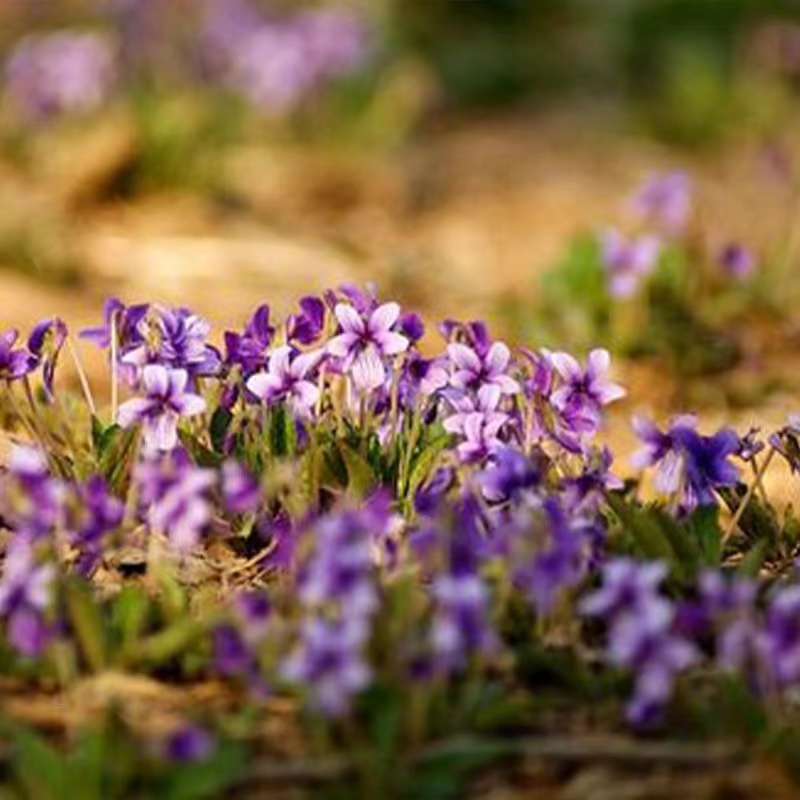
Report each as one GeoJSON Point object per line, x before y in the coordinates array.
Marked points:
{"type": "Point", "coordinates": [221, 153]}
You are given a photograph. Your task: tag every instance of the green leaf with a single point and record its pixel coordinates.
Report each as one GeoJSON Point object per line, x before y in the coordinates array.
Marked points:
{"type": "Point", "coordinates": [360, 477]}
{"type": "Point", "coordinates": [129, 614]}
{"type": "Point", "coordinates": [282, 432]}
{"type": "Point", "coordinates": [205, 779]}
{"type": "Point", "coordinates": [86, 620]}
{"type": "Point", "coordinates": [38, 767]}
{"type": "Point", "coordinates": [218, 428]}
{"type": "Point", "coordinates": [753, 560]}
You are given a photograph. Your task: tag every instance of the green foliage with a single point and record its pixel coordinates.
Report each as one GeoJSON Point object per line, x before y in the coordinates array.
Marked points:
{"type": "Point", "coordinates": [106, 762]}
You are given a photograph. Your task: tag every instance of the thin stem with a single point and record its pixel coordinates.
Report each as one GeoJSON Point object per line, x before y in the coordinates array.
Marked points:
{"type": "Point", "coordinates": [87, 392]}
{"type": "Point", "coordinates": [734, 523]}
{"type": "Point", "coordinates": [114, 369]}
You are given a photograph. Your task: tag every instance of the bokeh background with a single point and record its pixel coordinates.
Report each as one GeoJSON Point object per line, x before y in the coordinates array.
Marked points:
{"type": "Point", "coordinates": [222, 153]}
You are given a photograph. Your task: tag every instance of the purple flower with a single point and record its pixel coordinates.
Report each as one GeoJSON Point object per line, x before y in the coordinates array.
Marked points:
{"type": "Point", "coordinates": [60, 73]}
{"type": "Point", "coordinates": [329, 663]}
{"type": "Point", "coordinates": [240, 489]}
{"type": "Point", "coordinates": [627, 585]}
{"type": "Point", "coordinates": [666, 200]}
{"type": "Point", "coordinates": [642, 636]}
{"type": "Point", "coordinates": [509, 475]}
{"type": "Point", "coordinates": [124, 319]}
{"type": "Point", "coordinates": [253, 611]}
{"type": "Point", "coordinates": [175, 338]}
{"type": "Point", "coordinates": [562, 543]}
{"type": "Point", "coordinates": [690, 466]}
{"type": "Point", "coordinates": [341, 569]}
{"type": "Point", "coordinates": [627, 261]}
{"type": "Point", "coordinates": [173, 493]}
{"type": "Point", "coordinates": [100, 513]}
{"type": "Point", "coordinates": [166, 402]}
{"type": "Point", "coordinates": [306, 327]}
{"type": "Point", "coordinates": [779, 641]}
{"type": "Point", "coordinates": [479, 423]}
{"type": "Point", "coordinates": [286, 380]}
{"type": "Point", "coordinates": [583, 392]}
{"type": "Point", "coordinates": [737, 261]}
{"type": "Point", "coordinates": [248, 349]}
{"type": "Point", "coordinates": [45, 343]}
{"type": "Point", "coordinates": [646, 644]}
{"type": "Point", "coordinates": [14, 364]}
{"type": "Point", "coordinates": [460, 623]}
{"type": "Point", "coordinates": [31, 500]}
{"type": "Point", "coordinates": [189, 744]}
{"type": "Point", "coordinates": [365, 342]}
{"type": "Point", "coordinates": [473, 371]}
{"type": "Point", "coordinates": [730, 606]}
{"type": "Point", "coordinates": [25, 595]}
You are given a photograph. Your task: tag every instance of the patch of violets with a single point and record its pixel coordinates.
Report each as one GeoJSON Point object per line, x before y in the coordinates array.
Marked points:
{"type": "Point", "coordinates": [472, 474]}
{"type": "Point", "coordinates": [276, 60]}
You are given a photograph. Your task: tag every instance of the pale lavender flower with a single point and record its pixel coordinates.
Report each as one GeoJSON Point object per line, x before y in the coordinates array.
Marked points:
{"type": "Point", "coordinates": [627, 260]}
{"type": "Point", "coordinates": [364, 343]}
{"type": "Point", "coordinates": [165, 403]}
{"type": "Point", "coordinates": [665, 199]}
{"type": "Point", "coordinates": [25, 595]}
{"type": "Point", "coordinates": [472, 371]}
{"type": "Point", "coordinates": [460, 625]}
{"type": "Point", "coordinates": [31, 500]}
{"type": "Point", "coordinates": [329, 662]}
{"type": "Point", "coordinates": [173, 493]}
{"type": "Point", "coordinates": [240, 489]}
{"type": "Point", "coordinates": [642, 634]}
{"type": "Point", "coordinates": [60, 73]}
{"type": "Point", "coordinates": [779, 640]}
{"type": "Point", "coordinates": [730, 604]}
{"type": "Point", "coordinates": [737, 261]}
{"type": "Point", "coordinates": [287, 380]}
{"type": "Point", "coordinates": [479, 423]}
{"type": "Point", "coordinates": [583, 392]}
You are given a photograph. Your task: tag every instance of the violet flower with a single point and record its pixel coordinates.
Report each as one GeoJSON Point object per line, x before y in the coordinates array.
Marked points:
{"type": "Point", "coordinates": [165, 403]}
{"type": "Point", "coordinates": [460, 625]}
{"type": "Point", "coordinates": [286, 380]}
{"type": "Point", "coordinates": [690, 466]}
{"type": "Point", "coordinates": [737, 261]}
{"type": "Point", "coordinates": [627, 261]}
{"type": "Point", "coordinates": [583, 392]}
{"type": "Point", "coordinates": [189, 744]}
{"type": "Point", "coordinates": [240, 490]}
{"type": "Point", "coordinates": [329, 663]}
{"type": "Point", "coordinates": [365, 342]}
{"type": "Point", "coordinates": [642, 636]}
{"type": "Point", "coordinates": [173, 493]}
{"type": "Point", "coordinates": [60, 73]}
{"type": "Point", "coordinates": [25, 596]}
{"type": "Point", "coordinates": [175, 338]}
{"type": "Point", "coordinates": [479, 423]}
{"type": "Point", "coordinates": [666, 200]}
{"type": "Point", "coordinates": [45, 343]}
{"type": "Point", "coordinates": [14, 363]}
{"type": "Point", "coordinates": [306, 327]}
{"type": "Point", "coordinates": [125, 320]}
{"type": "Point", "coordinates": [473, 371]}
{"type": "Point", "coordinates": [100, 514]}
{"type": "Point", "coordinates": [248, 349]}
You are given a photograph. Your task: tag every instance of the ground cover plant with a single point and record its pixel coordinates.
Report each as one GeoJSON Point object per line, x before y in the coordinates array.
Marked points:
{"type": "Point", "coordinates": [317, 556]}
